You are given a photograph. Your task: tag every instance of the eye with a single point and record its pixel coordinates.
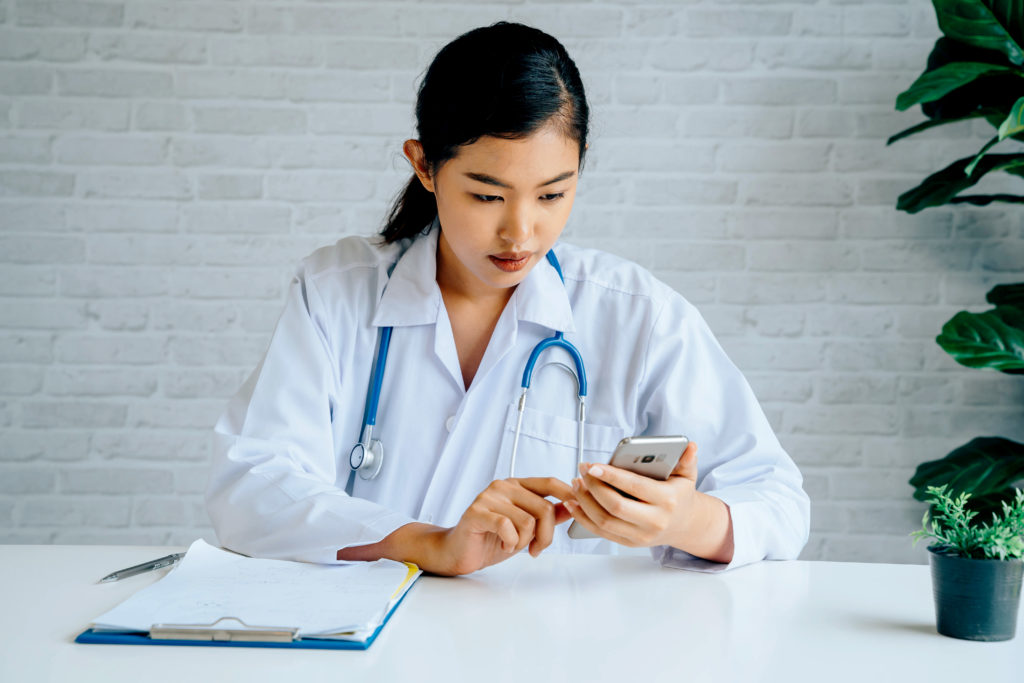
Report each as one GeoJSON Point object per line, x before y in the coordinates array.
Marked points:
{"type": "Point", "coordinates": [553, 197]}
{"type": "Point", "coordinates": [487, 198]}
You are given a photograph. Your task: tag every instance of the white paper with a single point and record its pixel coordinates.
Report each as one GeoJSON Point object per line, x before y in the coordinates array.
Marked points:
{"type": "Point", "coordinates": [209, 584]}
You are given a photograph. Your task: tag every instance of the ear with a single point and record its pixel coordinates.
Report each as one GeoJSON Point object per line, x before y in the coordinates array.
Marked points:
{"type": "Point", "coordinates": [413, 150]}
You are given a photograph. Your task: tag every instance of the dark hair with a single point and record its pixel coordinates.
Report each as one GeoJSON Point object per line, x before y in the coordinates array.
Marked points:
{"type": "Point", "coordinates": [505, 80]}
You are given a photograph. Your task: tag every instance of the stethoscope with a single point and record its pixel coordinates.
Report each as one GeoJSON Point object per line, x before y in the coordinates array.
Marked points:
{"type": "Point", "coordinates": [367, 456]}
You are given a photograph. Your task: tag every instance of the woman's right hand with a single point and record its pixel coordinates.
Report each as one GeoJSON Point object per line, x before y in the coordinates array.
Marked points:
{"type": "Point", "coordinates": [509, 515]}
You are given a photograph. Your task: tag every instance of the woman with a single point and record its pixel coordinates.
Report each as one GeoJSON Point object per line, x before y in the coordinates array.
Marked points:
{"type": "Point", "coordinates": [461, 276]}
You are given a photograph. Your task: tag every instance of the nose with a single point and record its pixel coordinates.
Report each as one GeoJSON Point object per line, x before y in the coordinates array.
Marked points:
{"type": "Point", "coordinates": [517, 224]}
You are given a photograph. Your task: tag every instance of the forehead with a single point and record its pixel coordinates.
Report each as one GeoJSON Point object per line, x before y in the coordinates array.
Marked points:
{"type": "Point", "coordinates": [546, 152]}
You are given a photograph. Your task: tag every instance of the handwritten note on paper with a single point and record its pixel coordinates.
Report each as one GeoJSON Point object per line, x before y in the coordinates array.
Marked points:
{"type": "Point", "coordinates": [210, 584]}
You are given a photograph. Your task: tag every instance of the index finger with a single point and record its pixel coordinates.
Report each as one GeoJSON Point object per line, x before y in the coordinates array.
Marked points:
{"type": "Point", "coordinates": [548, 486]}
{"type": "Point", "coordinates": [640, 487]}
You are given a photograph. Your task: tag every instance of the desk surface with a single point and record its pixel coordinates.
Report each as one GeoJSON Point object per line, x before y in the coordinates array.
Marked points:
{"type": "Point", "coordinates": [567, 618]}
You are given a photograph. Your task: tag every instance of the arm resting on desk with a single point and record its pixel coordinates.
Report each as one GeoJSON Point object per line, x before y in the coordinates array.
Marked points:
{"type": "Point", "coordinates": [762, 529]}
{"type": "Point", "coordinates": [710, 535]}
{"type": "Point", "coordinates": [690, 386]}
{"type": "Point", "coordinates": [272, 490]}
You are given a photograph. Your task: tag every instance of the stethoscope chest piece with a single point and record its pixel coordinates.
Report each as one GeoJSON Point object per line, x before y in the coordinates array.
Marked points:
{"type": "Point", "coordinates": [367, 460]}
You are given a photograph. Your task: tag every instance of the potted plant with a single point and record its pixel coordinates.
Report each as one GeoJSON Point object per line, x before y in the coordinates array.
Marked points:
{"type": "Point", "coordinates": [976, 568]}
{"type": "Point", "coordinates": [975, 71]}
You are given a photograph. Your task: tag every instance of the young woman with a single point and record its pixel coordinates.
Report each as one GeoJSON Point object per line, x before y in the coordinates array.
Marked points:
{"type": "Point", "coordinates": [464, 282]}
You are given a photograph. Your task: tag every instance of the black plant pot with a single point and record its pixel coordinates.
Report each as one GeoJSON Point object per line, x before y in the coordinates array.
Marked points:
{"type": "Point", "coordinates": [975, 599]}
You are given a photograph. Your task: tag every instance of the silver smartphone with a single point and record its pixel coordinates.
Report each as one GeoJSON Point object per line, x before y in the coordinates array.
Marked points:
{"type": "Point", "coordinates": [651, 456]}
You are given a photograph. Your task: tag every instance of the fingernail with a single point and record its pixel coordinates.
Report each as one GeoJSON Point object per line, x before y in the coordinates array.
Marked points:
{"type": "Point", "coordinates": [596, 471]}
{"type": "Point", "coordinates": [583, 467]}
{"type": "Point", "coordinates": [576, 484]}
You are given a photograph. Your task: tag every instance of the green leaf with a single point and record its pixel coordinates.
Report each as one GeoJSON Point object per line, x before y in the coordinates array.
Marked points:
{"type": "Point", "coordinates": [1014, 123]}
{"type": "Point", "coordinates": [1011, 13]}
{"type": "Point", "coordinates": [950, 521]}
{"type": "Point", "coordinates": [994, 94]}
{"type": "Point", "coordinates": [986, 199]}
{"type": "Point", "coordinates": [984, 467]}
{"type": "Point", "coordinates": [988, 24]}
{"type": "Point", "coordinates": [1011, 294]}
{"type": "Point", "coordinates": [931, 85]}
{"type": "Point", "coordinates": [941, 187]}
{"type": "Point", "coordinates": [977, 158]}
{"type": "Point", "coordinates": [993, 339]}
{"type": "Point", "coordinates": [932, 123]}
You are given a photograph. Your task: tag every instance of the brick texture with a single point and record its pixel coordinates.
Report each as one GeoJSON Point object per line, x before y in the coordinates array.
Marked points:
{"type": "Point", "coordinates": [163, 165]}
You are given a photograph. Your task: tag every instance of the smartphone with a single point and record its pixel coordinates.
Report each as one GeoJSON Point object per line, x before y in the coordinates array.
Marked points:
{"type": "Point", "coordinates": [651, 456]}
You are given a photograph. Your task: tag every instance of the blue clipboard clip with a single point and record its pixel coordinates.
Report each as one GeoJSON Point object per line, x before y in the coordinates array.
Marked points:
{"type": "Point", "coordinates": [212, 631]}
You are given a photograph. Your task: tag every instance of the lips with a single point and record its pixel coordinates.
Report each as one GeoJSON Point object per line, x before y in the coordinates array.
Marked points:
{"type": "Point", "coordinates": [509, 261]}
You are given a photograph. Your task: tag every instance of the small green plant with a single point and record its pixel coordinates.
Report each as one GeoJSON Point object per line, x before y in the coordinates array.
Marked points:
{"type": "Point", "coordinates": [954, 533]}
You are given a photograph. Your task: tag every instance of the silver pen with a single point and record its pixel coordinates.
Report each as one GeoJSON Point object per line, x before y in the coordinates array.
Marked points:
{"type": "Point", "coordinates": [158, 563]}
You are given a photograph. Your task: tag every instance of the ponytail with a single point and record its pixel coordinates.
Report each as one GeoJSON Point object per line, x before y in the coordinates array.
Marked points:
{"type": "Point", "coordinates": [411, 214]}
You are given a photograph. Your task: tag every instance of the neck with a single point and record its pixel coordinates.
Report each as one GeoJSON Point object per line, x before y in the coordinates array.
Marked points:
{"type": "Point", "coordinates": [458, 284]}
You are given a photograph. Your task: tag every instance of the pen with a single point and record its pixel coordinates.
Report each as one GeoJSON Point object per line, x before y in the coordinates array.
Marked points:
{"type": "Point", "coordinates": [158, 563]}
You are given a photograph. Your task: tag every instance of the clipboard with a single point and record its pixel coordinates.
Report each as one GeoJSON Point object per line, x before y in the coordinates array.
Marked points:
{"type": "Point", "coordinates": [186, 606]}
{"type": "Point", "coordinates": [209, 635]}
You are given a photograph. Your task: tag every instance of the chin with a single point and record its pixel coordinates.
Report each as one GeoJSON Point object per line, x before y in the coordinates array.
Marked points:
{"type": "Point", "coordinates": [506, 281]}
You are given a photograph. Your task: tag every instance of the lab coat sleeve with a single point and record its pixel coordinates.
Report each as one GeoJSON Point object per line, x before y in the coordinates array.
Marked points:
{"type": "Point", "coordinates": [691, 387]}
{"type": "Point", "coordinates": [274, 487]}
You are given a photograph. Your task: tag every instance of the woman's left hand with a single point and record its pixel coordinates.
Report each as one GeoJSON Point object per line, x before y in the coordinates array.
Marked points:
{"type": "Point", "coordinates": [662, 514]}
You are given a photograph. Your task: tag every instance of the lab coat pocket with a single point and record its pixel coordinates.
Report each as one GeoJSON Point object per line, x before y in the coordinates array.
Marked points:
{"type": "Point", "coordinates": [547, 448]}
{"type": "Point", "coordinates": [547, 444]}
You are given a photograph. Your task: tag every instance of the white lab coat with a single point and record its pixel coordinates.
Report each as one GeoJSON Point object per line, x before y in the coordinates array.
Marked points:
{"type": "Point", "coordinates": [653, 367]}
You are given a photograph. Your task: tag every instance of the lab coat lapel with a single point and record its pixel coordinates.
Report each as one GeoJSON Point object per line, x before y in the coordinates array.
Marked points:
{"type": "Point", "coordinates": [412, 297]}
{"type": "Point", "coordinates": [540, 298]}
{"type": "Point", "coordinates": [444, 348]}
{"type": "Point", "coordinates": [501, 342]}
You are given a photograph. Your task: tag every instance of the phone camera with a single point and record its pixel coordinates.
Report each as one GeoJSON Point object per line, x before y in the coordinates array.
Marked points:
{"type": "Point", "coordinates": [647, 458]}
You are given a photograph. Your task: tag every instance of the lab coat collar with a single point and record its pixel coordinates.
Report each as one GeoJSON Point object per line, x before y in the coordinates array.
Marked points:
{"type": "Point", "coordinates": [542, 298]}
{"type": "Point", "coordinates": [412, 297]}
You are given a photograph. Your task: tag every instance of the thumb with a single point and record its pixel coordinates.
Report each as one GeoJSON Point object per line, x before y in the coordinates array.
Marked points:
{"type": "Point", "coordinates": [687, 465]}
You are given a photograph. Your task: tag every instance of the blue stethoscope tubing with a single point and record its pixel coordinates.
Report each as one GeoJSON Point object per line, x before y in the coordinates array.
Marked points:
{"type": "Point", "coordinates": [367, 456]}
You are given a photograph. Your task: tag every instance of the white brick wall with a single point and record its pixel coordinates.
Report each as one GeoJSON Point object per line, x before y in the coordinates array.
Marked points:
{"type": "Point", "coordinates": [164, 164]}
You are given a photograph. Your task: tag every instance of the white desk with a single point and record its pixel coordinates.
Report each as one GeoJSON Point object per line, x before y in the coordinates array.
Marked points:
{"type": "Point", "coordinates": [556, 618]}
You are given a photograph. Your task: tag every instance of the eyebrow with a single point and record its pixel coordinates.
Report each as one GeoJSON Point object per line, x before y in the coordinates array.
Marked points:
{"type": "Point", "coordinates": [491, 180]}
